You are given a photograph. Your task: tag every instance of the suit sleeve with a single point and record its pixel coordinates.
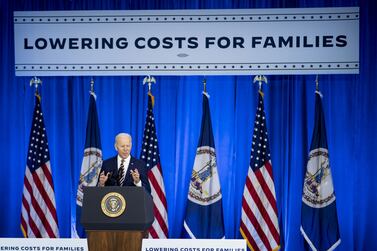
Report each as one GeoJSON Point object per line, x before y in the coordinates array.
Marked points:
{"type": "Point", "coordinates": [107, 168]}
{"type": "Point", "coordinates": [144, 176]}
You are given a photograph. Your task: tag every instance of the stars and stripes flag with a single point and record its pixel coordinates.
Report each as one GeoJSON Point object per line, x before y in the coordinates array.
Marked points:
{"type": "Point", "coordinates": [319, 219]}
{"type": "Point", "coordinates": [151, 155]}
{"type": "Point", "coordinates": [38, 212]}
{"type": "Point", "coordinates": [259, 216]}
{"type": "Point", "coordinates": [91, 162]}
{"type": "Point", "coordinates": [204, 211]}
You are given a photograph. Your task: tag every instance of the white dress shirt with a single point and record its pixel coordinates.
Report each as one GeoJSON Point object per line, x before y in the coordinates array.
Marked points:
{"type": "Point", "coordinates": [126, 164]}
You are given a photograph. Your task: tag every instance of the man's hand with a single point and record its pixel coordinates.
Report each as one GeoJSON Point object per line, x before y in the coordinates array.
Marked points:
{"type": "Point", "coordinates": [103, 178]}
{"type": "Point", "coordinates": [135, 175]}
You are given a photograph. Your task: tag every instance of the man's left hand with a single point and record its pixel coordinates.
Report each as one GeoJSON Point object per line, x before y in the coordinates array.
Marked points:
{"type": "Point", "coordinates": [135, 175]}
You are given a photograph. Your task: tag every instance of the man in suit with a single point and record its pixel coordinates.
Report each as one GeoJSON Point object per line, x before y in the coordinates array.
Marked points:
{"type": "Point", "coordinates": [123, 169]}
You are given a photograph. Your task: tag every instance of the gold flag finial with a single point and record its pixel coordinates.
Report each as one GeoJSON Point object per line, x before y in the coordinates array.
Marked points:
{"type": "Point", "coordinates": [149, 80]}
{"type": "Point", "coordinates": [260, 79]}
{"type": "Point", "coordinates": [36, 82]}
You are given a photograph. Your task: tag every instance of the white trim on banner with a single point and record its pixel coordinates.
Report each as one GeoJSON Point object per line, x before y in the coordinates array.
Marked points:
{"type": "Point", "coordinates": [187, 42]}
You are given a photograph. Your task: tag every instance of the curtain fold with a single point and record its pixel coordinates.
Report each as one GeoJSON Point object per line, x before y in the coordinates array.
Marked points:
{"type": "Point", "coordinates": [348, 100]}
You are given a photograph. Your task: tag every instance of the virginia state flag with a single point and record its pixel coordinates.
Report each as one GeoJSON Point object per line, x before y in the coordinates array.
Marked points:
{"type": "Point", "coordinates": [319, 219]}
{"type": "Point", "coordinates": [92, 161]}
{"type": "Point", "coordinates": [204, 211]}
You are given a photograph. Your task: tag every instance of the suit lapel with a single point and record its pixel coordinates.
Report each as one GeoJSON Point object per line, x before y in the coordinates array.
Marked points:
{"type": "Point", "coordinates": [131, 166]}
{"type": "Point", "coordinates": [115, 170]}
{"type": "Point", "coordinates": [128, 180]}
{"type": "Point", "coordinates": [115, 166]}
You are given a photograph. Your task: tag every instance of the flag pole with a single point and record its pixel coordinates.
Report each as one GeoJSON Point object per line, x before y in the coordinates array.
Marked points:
{"type": "Point", "coordinates": [317, 87]}
{"type": "Point", "coordinates": [316, 83]}
{"type": "Point", "coordinates": [204, 84]}
{"type": "Point", "coordinates": [91, 162]}
{"type": "Point", "coordinates": [36, 82]}
{"type": "Point", "coordinates": [319, 220]}
{"type": "Point", "coordinates": [38, 163]}
{"type": "Point", "coordinates": [260, 233]}
{"type": "Point", "coordinates": [91, 85]}
{"type": "Point", "coordinates": [260, 79]}
{"type": "Point", "coordinates": [91, 92]}
{"type": "Point", "coordinates": [151, 156]}
{"type": "Point", "coordinates": [149, 80]}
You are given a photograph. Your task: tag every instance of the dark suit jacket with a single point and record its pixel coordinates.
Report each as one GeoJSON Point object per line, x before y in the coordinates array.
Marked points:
{"type": "Point", "coordinates": [111, 165]}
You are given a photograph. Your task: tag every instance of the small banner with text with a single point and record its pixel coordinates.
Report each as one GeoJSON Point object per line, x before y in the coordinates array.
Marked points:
{"type": "Point", "coordinates": [193, 245]}
{"type": "Point", "coordinates": [43, 244]}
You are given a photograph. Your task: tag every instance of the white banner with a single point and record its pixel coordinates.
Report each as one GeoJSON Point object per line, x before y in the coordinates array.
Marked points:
{"type": "Point", "coordinates": [43, 244]}
{"type": "Point", "coordinates": [187, 42]}
{"type": "Point", "coordinates": [193, 245]}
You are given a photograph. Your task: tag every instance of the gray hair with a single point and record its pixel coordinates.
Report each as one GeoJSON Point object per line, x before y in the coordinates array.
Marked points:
{"type": "Point", "coordinates": [122, 134]}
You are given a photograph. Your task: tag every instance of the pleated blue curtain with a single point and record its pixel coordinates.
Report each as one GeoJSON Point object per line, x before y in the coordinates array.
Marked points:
{"type": "Point", "coordinates": [349, 106]}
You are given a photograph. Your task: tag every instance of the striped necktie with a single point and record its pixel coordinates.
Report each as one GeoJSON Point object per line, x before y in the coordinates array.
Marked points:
{"type": "Point", "coordinates": [121, 175]}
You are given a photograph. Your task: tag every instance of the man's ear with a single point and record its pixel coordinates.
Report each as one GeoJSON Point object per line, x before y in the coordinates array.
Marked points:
{"type": "Point", "coordinates": [115, 146]}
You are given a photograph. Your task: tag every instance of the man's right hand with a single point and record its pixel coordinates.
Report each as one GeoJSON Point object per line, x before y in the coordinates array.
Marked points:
{"type": "Point", "coordinates": [103, 178]}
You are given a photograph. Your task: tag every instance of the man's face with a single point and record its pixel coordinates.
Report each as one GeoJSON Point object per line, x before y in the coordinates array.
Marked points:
{"type": "Point", "coordinates": [123, 146]}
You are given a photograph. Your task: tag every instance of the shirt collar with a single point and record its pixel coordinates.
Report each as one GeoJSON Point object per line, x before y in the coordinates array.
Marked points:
{"type": "Point", "coordinates": [126, 161]}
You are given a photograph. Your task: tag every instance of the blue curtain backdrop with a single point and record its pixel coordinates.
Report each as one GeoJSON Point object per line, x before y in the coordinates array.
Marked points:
{"type": "Point", "coordinates": [350, 112]}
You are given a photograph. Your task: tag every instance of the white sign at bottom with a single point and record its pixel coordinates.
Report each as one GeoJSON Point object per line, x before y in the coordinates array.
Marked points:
{"type": "Point", "coordinates": [43, 244]}
{"type": "Point", "coordinates": [193, 245]}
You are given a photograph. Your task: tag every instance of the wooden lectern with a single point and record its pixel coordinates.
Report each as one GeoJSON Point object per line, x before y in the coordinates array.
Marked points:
{"type": "Point", "coordinates": [116, 218]}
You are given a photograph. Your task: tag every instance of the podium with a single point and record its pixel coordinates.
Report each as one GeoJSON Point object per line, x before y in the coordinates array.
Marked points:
{"type": "Point", "coordinates": [116, 218]}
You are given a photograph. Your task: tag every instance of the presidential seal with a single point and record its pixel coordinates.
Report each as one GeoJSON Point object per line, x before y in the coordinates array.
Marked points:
{"type": "Point", "coordinates": [318, 186]}
{"type": "Point", "coordinates": [113, 204]}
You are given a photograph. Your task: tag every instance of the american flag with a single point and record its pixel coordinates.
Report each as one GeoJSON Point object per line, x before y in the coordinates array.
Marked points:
{"type": "Point", "coordinates": [38, 212]}
{"type": "Point", "coordinates": [259, 216]}
{"type": "Point", "coordinates": [151, 155]}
